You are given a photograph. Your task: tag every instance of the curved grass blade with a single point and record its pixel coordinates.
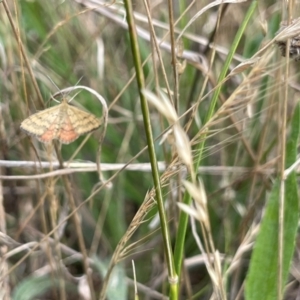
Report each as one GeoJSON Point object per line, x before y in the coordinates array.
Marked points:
{"type": "Point", "coordinates": [262, 278]}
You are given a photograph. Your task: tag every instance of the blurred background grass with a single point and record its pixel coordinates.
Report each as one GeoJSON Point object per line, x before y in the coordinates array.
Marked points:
{"type": "Point", "coordinates": [70, 42]}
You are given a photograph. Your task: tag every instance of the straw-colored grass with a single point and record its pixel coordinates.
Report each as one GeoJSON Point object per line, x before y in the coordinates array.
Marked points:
{"type": "Point", "coordinates": [188, 189]}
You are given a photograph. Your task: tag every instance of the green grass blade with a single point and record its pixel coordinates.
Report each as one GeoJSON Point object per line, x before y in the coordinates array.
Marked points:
{"type": "Point", "coordinates": [262, 278]}
{"type": "Point", "coordinates": [33, 287]}
{"type": "Point", "coordinates": [118, 279]}
{"type": "Point", "coordinates": [183, 219]}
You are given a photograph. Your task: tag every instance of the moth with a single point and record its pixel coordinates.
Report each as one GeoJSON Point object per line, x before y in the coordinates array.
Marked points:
{"type": "Point", "coordinates": [63, 122]}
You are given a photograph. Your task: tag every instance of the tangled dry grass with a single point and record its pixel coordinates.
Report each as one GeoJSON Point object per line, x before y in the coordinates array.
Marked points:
{"type": "Point", "coordinates": [167, 201]}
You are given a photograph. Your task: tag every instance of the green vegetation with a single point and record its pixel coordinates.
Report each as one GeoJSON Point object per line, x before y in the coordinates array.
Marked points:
{"type": "Point", "coordinates": [193, 199]}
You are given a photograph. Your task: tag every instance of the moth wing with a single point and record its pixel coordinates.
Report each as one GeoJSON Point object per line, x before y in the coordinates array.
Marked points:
{"type": "Point", "coordinates": [67, 132]}
{"type": "Point", "coordinates": [44, 125]}
{"type": "Point", "coordinates": [83, 122]}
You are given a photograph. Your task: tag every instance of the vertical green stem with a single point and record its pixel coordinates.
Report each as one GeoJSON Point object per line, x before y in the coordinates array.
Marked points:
{"type": "Point", "coordinates": [183, 219]}
{"type": "Point", "coordinates": [173, 279]}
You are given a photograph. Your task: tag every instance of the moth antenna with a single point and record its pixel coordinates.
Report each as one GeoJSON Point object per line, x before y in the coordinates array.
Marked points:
{"type": "Point", "coordinates": [73, 97]}
{"type": "Point", "coordinates": [78, 80]}
{"type": "Point", "coordinates": [53, 82]}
